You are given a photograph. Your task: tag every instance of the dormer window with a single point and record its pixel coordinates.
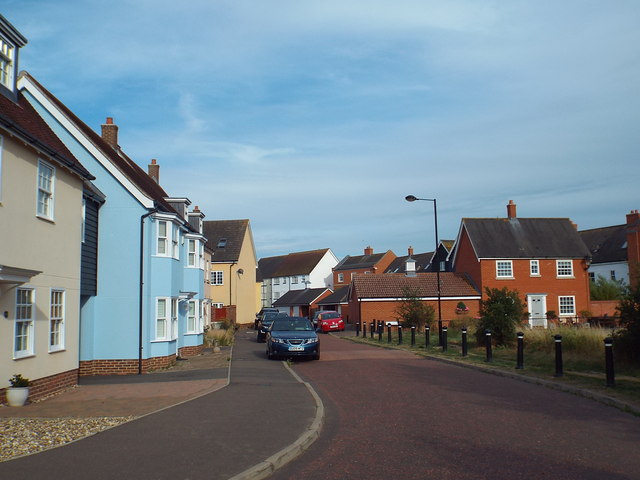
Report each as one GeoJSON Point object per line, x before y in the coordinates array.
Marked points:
{"type": "Point", "coordinates": [7, 56]}
{"type": "Point", "coordinates": [222, 243]}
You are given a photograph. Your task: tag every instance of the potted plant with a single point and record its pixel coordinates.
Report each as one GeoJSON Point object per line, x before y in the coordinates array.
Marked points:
{"type": "Point", "coordinates": [18, 392]}
{"type": "Point", "coordinates": [461, 308]}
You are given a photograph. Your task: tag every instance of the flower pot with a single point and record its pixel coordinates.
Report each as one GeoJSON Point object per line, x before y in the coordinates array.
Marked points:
{"type": "Point", "coordinates": [17, 396]}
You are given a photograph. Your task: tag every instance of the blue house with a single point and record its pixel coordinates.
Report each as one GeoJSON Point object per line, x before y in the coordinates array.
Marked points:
{"type": "Point", "coordinates": [146, 308]}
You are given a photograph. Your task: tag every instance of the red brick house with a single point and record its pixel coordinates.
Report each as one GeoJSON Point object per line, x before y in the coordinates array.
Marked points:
{"type": "Point", "coordinates": [301, 303]}
{"type": "Point", "coordinates": [369, 263]}
{"type": "Point", "coordinates": [376, 297]}
{"type": "Point", "coordinates": [544, 259]}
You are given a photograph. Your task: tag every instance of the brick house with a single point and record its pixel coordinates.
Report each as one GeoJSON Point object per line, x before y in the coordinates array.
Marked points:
{"type": "Point", "coordinates": [544, 259]}
{"type": "Point", "coordinates": [369, 263]}
{"type": "Point", "coordinates": [301, 303]}
{"type": "Point", "coordinates": [376, 297]}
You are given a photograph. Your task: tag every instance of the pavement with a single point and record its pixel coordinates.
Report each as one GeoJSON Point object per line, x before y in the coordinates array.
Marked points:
{"type": "Point", "coordinates": [196, 420]}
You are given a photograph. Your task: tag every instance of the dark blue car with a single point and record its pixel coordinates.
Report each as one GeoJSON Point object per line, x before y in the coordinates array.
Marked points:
{"type": "Point", "coordinates": [292, 337]}
{"type": "Point", "coordinates": [265, 323]}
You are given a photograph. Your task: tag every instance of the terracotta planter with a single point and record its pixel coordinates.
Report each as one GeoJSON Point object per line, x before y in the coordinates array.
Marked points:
{"type": "Point", "coordinates": [17, 396]}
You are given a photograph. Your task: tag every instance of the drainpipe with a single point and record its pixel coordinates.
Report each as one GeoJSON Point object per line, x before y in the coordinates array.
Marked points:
{"type": "Point", "coordinates": [151, 212]}
{"type": "Point", "coordinates": [230, 290]}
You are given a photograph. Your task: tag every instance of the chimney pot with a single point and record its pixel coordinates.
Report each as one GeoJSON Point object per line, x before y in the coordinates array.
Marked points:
{"type": "Point", "coordinates": [154, 170]}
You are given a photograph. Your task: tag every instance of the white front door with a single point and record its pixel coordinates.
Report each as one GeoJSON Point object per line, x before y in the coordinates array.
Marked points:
{"type": "Point", "coordinates": [537, 305]}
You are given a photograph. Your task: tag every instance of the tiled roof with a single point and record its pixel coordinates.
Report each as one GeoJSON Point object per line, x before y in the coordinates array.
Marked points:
{"type": "Point", "coordinates": [393, 285]}
{"type": "Point", "coordinates": [359, 262]}
{"type": "Point", "coordinates": [232, 232]}
{"type": "Point", "coordinates": [299, 297]}
{"type": "Point", "coordinates": [122, 162]}
{"type": "Point", "coordinates": [422, 262]}
{"type": "Point", "coordinates": [23, 121]}
{"type": "Point", "coordinates": [607, 244]}
{"type": "Point", "coordinates": [298, 263]}
{"type": "Point", "coordinates": [341, 295]}
{"type": "Point", "coordinates": [525, 238]}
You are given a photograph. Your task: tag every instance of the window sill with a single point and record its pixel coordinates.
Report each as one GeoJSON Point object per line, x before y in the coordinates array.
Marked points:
{"type": "Point", "coordinates": [56, 350]}
{"type": "Point", "coordinates": [565, 277]}
{"type": "Point", "coordinates": [163, 340]}
{"type": "Point", "coordinates": [26, 355]}
{"type": "Point", "coordinates": [505, 278]}
{"type": "Point", "coordinates": [46, 219]}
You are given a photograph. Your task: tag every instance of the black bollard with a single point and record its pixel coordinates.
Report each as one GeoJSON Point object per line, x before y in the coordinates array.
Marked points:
{"type": "Point", "coordinates": [487, 344]}
{"type": "Point", "coordinates": [399, 334]}
{"type": "Point", "coordinates": [371, 332]}
{"type": "Point", "coordinates": [427, 330]}
{"type": "Point", "coordinates": [520, 354]}
{"type": "Point", "coordinates": [364, 329]}
{"type": "Point", "coordinates": [558, 341]}
{"type": "Point", "coordinates": [380, 328]}
{"type": "Point", "coordinates": [413, 335]}
{"type": "Point", "coordinates": [444, 339]}
{"type": "Point", "coordinates": [464, 341]}
{"type": "Point", "coordinates": [357, 329]}
{"type": "Point", "coordinates": [608, 356]}
{"type": "Point", "coordinates": [388, 333]}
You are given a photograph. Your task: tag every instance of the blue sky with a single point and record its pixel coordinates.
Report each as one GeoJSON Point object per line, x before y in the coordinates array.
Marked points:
{"type": "Point", "coordinates": [315, 119]}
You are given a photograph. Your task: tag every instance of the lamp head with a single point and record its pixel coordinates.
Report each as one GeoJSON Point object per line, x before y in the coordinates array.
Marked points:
{"type": "Point", "coordinates": [410, 198]}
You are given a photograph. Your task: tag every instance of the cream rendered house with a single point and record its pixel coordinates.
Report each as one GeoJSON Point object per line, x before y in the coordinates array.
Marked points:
{"type": "Point", "coordinates": [231, 282]}
{"type": "Point", "coordinates": [41, 236]}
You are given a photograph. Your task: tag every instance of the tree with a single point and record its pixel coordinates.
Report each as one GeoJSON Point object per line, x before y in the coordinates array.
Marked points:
{"type": "Point", "coordinates": [603, 289]}
{"type": "Point", "coordinates": [500, 313]}
{"type": "Point", "coordinates": [627, 340]}
{"type": "Point", "coordinates": [412, 311]}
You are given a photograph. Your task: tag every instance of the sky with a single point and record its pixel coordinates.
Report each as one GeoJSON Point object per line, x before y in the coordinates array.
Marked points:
{"type": "Point", "coordinates": [314, 119]}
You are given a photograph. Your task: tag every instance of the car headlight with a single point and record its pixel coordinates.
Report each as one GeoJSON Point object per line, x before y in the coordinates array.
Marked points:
{"type": "Point", "coordinates": [312, 340]}
{"type": "Point", "coordinates": [277, 340]}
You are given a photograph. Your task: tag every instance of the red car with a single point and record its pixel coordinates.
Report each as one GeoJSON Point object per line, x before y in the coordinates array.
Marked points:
{"type": "Point", "coordinates": [329, 321]}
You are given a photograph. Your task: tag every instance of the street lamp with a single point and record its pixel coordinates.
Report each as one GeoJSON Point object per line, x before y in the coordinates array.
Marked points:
{"type": "Point", "coordinates": [412, 198]}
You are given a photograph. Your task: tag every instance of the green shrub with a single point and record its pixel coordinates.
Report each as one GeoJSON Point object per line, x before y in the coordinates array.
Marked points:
{"type": "Point", "coordinates": [627, 340]}
{"type": "Point", "coordinates": [413, 312]}
{"type": "Point", "coordinates": [500, 313]}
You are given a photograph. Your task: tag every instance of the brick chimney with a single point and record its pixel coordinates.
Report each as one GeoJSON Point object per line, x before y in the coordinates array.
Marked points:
{"type": "Point", "coordinates": [154, 170]}
{"type": "Point", "coordinates": [633, 246]}
{"type": "Point", "coordinates": [368, 251]}
{"type": "Point", "coordinates": [110, 133]}
{"type": "Point", "coordinates": [511, 209]}
{"type": "Point", "coordinates": [410, 251]}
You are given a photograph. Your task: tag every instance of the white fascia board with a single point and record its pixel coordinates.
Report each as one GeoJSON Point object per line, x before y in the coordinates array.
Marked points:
{"type": "Point", "coordinates": [399, 299]}
{"type": "Point", "coordinates": [146, 202]}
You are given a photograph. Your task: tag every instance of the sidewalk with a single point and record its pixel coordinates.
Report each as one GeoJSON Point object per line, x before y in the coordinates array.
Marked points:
{"type": "Point", "coordinates": [219, 433]}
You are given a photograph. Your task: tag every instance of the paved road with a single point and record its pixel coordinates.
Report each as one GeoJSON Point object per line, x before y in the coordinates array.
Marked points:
{"type": "Point", "coordinates": [215, 436]}
{"type": "Point", "coordinates": [391, 415]}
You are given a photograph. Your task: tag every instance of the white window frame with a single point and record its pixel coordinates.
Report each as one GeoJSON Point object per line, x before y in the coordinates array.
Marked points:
{"type": "Point", "coordinates": [7, 58]}
{"type": "Point", "coordinates": [569, 307]}
{"type": "Point", "coordinates": [57, 307]}
{"type": "Point", "coordinates": [564, 268]}
{"type": "Point", "coordinates": [191, 252]}
{"type": "Point", "coordinates": [174, 318]}
{"type": "Point", "coordinates": [504, 268]}
{"type": "Point", "coordinates": [341, 278]}
{"type": "Point", "coordinates": [353, 274]}
{"type": "Point", "coordinates": [162, 319]}
{"type": "Point", "coordinates": [201, 262]}
{"type": "Point", "coordinates": [217, 277]}
{"type": "Point", "coordinates": [276, 281]}
{"type": "Point", "coordinates": [175, 241]}
{"type": "Point", "coordinates": [24, 323]}
{"type": "Point", "coordinates": [162, 243]}
{"type": "Point", "coordinates": [192, 316]}
{"type": "Point", "coordinates": [294, 279]}
{"type": "Point", "coordinates": [534, 268]}
{"type": "Point", "coordinates": [45, 193]}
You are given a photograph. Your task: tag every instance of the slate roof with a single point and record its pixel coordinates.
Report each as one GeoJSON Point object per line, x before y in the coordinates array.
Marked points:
{"type": "Point", "coordinates": [120, 160]}
{"type": "Point", "coordinates": [422, 263]}
{"type": "Point", "coordinates": [299, 297]}
{"type": "Point", "coordinates": [525, 238]}
{"type": "Point", "coordinates": [341, 295]}
{"type": "Point", "coordinates": [392, 286]}
{"type": "Point", "coordinates": [359, 262]}
{"type": "Point", "coordinates": [233, 231]}
{"type": "Point", "coordinates": [607, 244]}
{"type": "Point", "coordinates": [298, 263]}
{"type": "Point", "coordinates": [22, 120]}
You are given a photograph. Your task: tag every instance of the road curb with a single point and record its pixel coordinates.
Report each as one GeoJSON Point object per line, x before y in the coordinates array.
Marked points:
{"type": "Point", "coordinates": [289, 453]}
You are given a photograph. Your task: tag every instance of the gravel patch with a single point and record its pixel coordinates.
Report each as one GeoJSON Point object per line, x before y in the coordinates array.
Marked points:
{"type": "Point", "coordinates": [24, 436]}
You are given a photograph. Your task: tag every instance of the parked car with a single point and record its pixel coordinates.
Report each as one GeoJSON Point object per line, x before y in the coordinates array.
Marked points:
{"type": "Point", "coordinates": [265, 323]}
{"type": "Point", "coordinates": [260, 314]}
{"type": "Point", "coordinates": [329, 321]}
{"type": "Point", "coordinates": [292, 337]}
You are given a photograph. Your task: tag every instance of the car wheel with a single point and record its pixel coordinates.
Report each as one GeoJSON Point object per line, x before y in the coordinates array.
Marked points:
{"type": "Point", "coordinates": [269, 356]}
{"type": "Point", "coordinates": [316, 356]}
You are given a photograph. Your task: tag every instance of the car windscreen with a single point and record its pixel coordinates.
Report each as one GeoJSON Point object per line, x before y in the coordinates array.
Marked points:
{"type": "Point", "coordinates": [289, 324]}
{"type": "Point", "coordinates": [326, 316]}
{"type": "Point", "coordinates": [269, 316]}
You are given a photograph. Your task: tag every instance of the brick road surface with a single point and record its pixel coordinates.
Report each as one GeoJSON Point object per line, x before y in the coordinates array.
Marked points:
{"type": "Point", "coordinates": [393, 415]}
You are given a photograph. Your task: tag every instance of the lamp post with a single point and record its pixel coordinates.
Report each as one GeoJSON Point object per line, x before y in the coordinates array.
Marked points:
{"type": "Point", "coordinates": [412, 198]}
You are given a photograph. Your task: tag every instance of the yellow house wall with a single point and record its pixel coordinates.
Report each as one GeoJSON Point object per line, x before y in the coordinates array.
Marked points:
{"type": "Point", "coordinates": [52, 247]}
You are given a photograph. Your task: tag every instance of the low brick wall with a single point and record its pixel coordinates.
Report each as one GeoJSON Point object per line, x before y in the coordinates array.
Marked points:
{"type": "Point", "coordinates": [190, 351]}
{"type": "Point", "coordinates": [43, 387]}
{"type": "Point", "coordinates": [124, 366]}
